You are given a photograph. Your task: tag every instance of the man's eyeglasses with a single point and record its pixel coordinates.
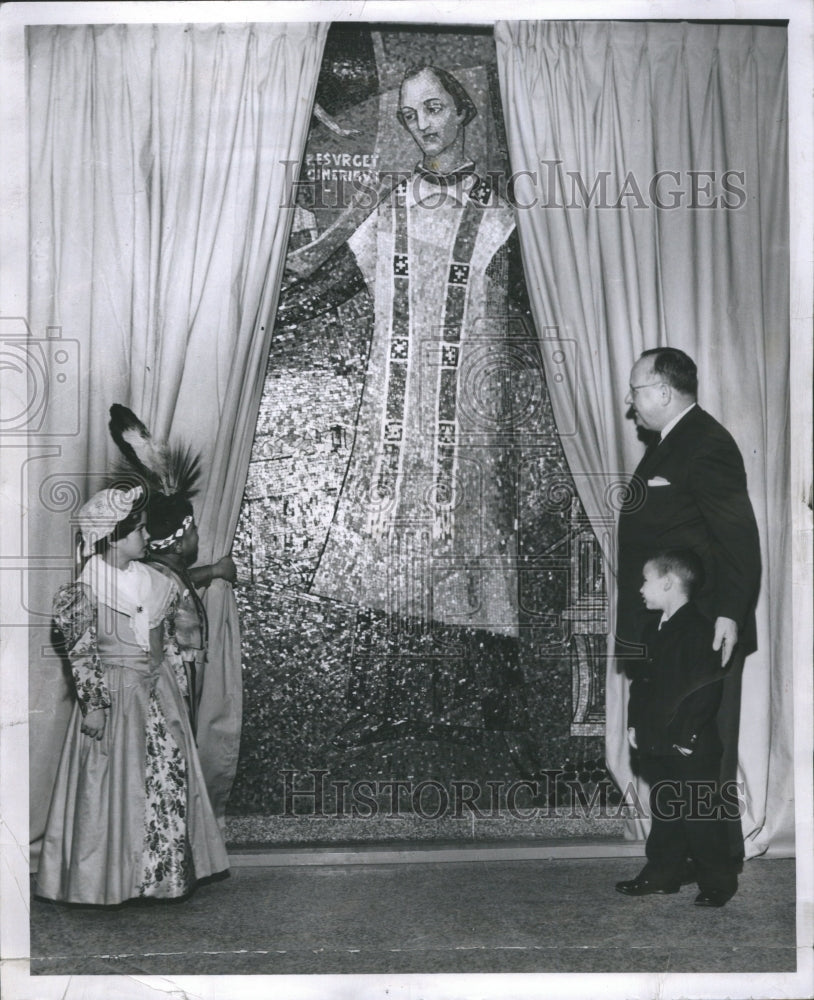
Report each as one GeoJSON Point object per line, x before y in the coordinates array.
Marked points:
{"type": "Point", "coordinates": [646, 385]}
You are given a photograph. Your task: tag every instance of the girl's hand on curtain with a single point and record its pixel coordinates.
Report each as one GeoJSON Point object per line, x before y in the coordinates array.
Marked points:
{"type": "Point", "coordinates": [225, 569]}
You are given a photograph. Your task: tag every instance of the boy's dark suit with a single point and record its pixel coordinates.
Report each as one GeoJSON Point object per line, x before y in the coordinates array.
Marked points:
{"type": "Point", "coordinates": [701, 504]}
{"type": "Point", "coordinates": [674, 698]}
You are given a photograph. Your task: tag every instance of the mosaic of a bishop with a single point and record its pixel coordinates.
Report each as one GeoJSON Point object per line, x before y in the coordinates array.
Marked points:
{"type": "Point", "coordinates": [424, 531]}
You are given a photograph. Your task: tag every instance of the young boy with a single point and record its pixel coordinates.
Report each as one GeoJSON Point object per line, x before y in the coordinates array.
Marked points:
{"type": "Point", "coordinates": [671, 728]}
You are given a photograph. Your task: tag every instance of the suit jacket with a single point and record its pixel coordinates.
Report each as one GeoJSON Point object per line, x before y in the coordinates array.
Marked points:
{"type": "Point", "coordinates": [676, 691]}
{"type": "Point", "coordinates": [703, 505]}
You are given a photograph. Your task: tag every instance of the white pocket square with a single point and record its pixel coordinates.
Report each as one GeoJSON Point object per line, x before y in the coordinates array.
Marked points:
{"type": "Point", "coordinates": [658, 481]}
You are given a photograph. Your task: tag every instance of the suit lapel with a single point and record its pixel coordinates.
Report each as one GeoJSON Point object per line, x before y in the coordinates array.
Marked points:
{"type": "Point", "coordinates": [657, 454]}
{"type": "Point", "coordinates": [651, 455]}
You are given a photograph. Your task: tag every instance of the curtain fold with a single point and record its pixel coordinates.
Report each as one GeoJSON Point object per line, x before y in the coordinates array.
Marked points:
{"type": "Point", "coordinates": [160, 212]}
{"type": "Point", "coordinates": [656, 186]}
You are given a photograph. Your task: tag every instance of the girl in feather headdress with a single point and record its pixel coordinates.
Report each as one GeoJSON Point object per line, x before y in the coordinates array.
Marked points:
{"type": "Point", "coordinates": [130, 816]}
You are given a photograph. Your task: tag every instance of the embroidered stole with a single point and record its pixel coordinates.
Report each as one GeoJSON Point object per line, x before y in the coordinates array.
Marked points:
{"type": "Point", "coordinates": [453, 322]}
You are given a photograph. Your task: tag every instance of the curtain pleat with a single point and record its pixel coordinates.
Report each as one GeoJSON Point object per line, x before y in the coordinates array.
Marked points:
{"type": "Point", "coordinates": [627, 101]}
{"type": "Point", "coordinates": [159, 222]}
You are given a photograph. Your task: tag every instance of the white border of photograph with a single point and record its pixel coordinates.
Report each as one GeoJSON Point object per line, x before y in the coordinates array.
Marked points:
{"type": "Point", "coordinates": [14, 861]}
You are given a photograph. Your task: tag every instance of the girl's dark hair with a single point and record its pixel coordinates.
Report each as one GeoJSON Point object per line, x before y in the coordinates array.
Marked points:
{"type": "Point", "coordinates": [165, 514]}
{"type": "Point", "coordinates": [122, 530]}
{"type": "Point", "coordinates": [463, 102]}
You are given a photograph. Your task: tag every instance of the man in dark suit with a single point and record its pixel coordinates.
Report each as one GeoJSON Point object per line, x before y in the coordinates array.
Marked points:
{"type": "Point", "coordinates": [689, 491]}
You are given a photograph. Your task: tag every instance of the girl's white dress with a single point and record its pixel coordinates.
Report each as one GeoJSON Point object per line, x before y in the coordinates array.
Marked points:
{"type": "Point", "coordinates": [129, 815]}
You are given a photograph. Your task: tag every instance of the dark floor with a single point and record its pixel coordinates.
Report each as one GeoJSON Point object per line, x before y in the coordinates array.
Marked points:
{"type": "Point", "coordinates": [515, 916]}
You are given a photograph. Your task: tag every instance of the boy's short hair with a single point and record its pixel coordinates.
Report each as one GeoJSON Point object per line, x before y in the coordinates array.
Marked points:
{"type": "Point", "coordinates": [682, 563]}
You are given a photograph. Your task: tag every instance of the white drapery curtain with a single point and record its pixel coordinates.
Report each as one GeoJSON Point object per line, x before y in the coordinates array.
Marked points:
{"type": "Point", "coordinates": [631, 100]}
{"type": "Point", "coordinates": [159, 217]}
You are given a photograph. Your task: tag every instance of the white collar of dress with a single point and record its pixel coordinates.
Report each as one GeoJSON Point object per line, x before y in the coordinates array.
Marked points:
{"type": "Point", "coordinates": [139, 592]}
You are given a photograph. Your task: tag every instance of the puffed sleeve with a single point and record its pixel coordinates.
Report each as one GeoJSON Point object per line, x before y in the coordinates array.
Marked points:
{"type": "Point", "coordinates": [75, 616]}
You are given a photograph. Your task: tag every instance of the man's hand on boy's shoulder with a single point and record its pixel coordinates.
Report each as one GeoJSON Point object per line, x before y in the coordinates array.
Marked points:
{"type": "Point", "coordinates": [726, 638]}
{"type": "Point", "coordinates": [702, 657]}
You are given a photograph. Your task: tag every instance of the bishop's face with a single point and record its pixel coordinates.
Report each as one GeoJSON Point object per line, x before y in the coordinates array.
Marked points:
{"type": "Point", "coordinates": [430, 115]}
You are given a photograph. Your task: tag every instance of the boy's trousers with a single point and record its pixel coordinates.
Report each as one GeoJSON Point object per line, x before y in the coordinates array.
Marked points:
{"type": "Point", "coordinates": [688, 810]}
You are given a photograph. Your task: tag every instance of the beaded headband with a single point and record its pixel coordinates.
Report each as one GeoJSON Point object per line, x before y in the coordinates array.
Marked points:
{"type": "Point", "coordinates": [164, 543]}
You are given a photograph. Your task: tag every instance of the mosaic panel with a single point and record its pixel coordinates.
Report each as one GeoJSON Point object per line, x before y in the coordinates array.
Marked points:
{"type": "Point", "coordinates": [421, 598]}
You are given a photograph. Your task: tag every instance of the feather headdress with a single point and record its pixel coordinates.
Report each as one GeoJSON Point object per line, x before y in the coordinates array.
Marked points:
{"type": "Point", "coordinates": [170, 469]}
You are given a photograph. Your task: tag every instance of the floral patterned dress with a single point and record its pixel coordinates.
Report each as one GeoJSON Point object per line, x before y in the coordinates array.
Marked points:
{"type": "Point", "coordinates": [129, 815]}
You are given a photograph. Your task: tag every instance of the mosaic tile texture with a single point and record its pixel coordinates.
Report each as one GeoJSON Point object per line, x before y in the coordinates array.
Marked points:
{"type": "Point", "coordinates": [337, 681]}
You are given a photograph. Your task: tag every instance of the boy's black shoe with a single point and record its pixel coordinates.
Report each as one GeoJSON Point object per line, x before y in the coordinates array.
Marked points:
{"type": "Point", "coordinates": [713, 897]}
{"type": "Point", "coordinates": [646, 887]}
